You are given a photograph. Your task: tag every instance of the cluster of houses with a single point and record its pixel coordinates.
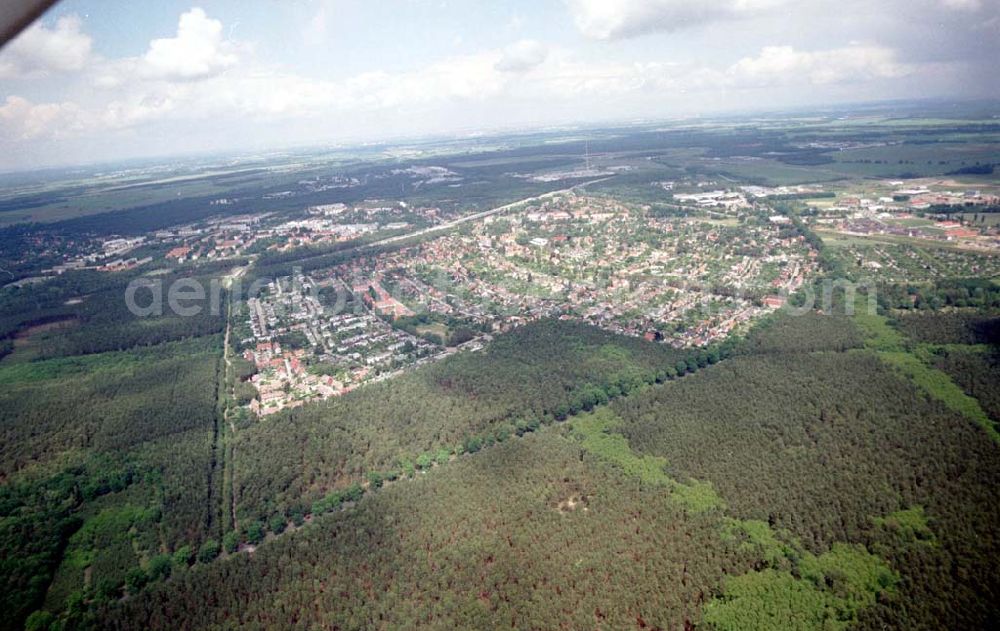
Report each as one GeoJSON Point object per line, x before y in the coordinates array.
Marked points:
{"type": "Point", "coordinates": [282, 380]}
{"type": "Point", "coordinates": [306, 350]}
{"type": "Point", "coordinates": [322, 225]}
{"type": "Point", "coordinates": [378, 299]}
{"type": "Point", "coordinates": [107, 256]}
{"type": "Point", "coordinates": [597, 260]}
{"type": "Point", "coordinates": [215, 239]}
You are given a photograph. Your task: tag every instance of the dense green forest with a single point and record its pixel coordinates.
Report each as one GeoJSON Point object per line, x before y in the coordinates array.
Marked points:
{"type": "Point", "coordinates": [953, 327]}
{"type": "Point", "coordinates": [804, 482]}
{"type": "Point", "coordinates": [89, 441]}
{"type": "Point", "coordinates": [864, 441]}
{"type": "Point", "coordinates": [108, 425]}
{"type": "Point", "coordinates": [91, 315]}
{"type": "Point", "coordinates": [556, 369]}
{"type": "Point", "coordinates": [113, 473]}
{"type": "Point", "coordinates": [962, 344]}
{"type": "Point", "coordinates": [960, 293]}
{"type": "Point", "coordinates": [977, 371]}
{"type": "Point", "coordinates": [529, 535]}
{"type": "Point", "coordinates": [861, 444]}
{"type": "Point", "coordinates": [104, 403]}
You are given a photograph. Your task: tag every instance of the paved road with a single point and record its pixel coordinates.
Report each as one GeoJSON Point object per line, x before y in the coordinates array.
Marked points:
{"type": "Point", "coordinates": [486, 213]}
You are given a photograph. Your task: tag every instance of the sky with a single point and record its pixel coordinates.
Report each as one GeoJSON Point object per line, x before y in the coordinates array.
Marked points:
{"type": "Point", "coordinates": [101, 80]}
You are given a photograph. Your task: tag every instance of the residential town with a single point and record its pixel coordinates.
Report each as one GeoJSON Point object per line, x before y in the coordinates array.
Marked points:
{"type": "Point", "coordinates": [303, 349]}
{"type": "Point", "coordinates": [687, 272]}
{"type": "Point", "coordinates": [682, 280]}
{"type": "Point", "coordinates": [685, 281]}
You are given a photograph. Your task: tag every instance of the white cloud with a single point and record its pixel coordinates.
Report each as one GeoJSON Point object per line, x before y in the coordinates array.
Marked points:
{"type": "Point", "coordinates": [782, 65]}
{"type": "Point", "coordinates": [21, 119]}
{"type": "Point", "coordinates": [963, 5]}
{"type": "Point", "coordinates": [618, 19]}
{"type": "Point", "coordinates": [42, 50]}
{"type": "Point", "coordinates": [465, 77]}
{"type": "Point", "coordinates": [250, 92]}
{"type": "Point", "coordinates": [196, 52]}
{"type": "Point", "coordinates": [522, 56]}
